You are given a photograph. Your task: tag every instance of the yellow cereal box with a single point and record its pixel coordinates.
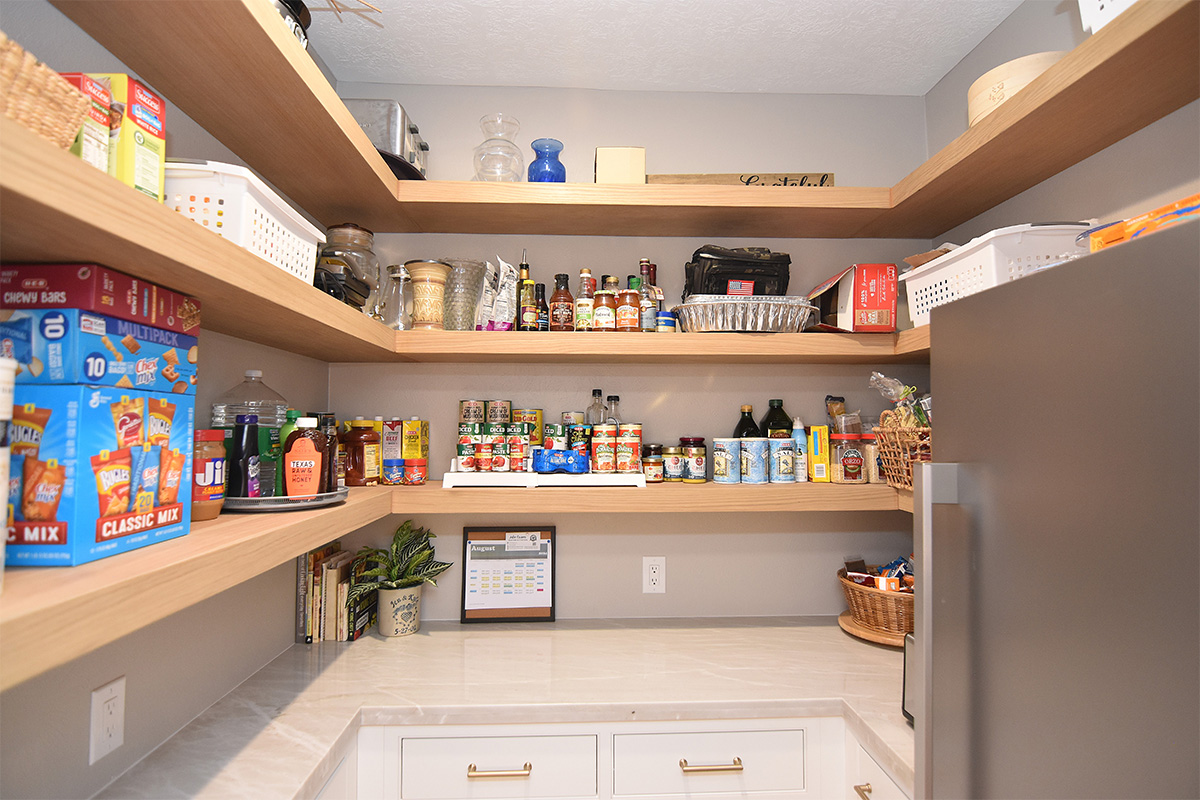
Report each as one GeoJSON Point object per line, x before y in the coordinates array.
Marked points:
{"type": "Point", "coordinates": [818, 454]}
{"type": "Point", "coordinates": [137, 149]}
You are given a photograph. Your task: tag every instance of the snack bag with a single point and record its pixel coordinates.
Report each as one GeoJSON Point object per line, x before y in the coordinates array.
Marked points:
{"type": "Point", "coordinates": [16, 479]}
{"type": "Point", "coordinates": [127, 414]}
{"type": "Point", "coordinates": [170, 476]}
{"type": "Point", "coordinates": [44, 482]}
{"type": "Point", "coordinates": [112, 470]}
{"type": "Point", "coordinates": [28, 427]}
{"type": "Point", "coordinates": [158, 421]}
{"type": "Point", "coordinates": [143, 485]}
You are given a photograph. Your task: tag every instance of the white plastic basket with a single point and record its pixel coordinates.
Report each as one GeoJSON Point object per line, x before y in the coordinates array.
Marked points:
{"type": "Point", "coordinates": [235, 203]}
{"type": "Point", "coordinates": [1002, 255]}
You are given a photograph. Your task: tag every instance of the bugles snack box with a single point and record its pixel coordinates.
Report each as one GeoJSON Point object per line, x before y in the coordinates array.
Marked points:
{"type": "Point", "coordinates": [72, 346]}
{"type": "Point", "coordinates": [137, 152]}
{"type": "Point", "coordinates": [96, 471]}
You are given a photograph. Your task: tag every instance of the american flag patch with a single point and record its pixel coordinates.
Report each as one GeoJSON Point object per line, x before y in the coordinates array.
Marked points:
{"type": "Point", "coordinates": [740, 288]}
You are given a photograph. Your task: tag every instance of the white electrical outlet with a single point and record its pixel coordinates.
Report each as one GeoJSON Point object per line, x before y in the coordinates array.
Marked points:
{"type": "Point", "coordinates": [108, 719]}
{"type": "Point", "coordinates": [654, 574]}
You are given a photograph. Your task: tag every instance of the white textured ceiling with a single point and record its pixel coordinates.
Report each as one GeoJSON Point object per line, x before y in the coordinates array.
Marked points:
{"type": "Point", "coordinates": [888, 47]}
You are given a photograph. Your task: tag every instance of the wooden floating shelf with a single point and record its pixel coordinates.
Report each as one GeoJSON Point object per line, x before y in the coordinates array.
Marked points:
{"type": "Point", "coordinates": [299, 135]}
{"type": "Point", "coordinates": [57, 208]}
{"type": "Point", "coordinates": [93, 604]}
{"type": "Point", "coordinates": [665, 498]}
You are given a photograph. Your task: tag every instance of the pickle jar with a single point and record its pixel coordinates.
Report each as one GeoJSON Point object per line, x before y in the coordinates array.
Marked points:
{"type": "Point", "coordinates": [848, 463]}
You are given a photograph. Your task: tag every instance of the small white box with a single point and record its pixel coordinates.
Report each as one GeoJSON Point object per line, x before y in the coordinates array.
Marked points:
{"type": "Point", "coordinates": [620, 165]}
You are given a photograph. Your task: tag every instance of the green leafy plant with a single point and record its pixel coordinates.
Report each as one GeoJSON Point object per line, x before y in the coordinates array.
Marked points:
{"type": "Point", "coordinates": [407, 562]}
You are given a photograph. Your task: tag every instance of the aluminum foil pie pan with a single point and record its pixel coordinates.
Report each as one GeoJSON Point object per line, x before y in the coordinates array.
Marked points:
{"type": "Point", "coordinates": [707, 313]}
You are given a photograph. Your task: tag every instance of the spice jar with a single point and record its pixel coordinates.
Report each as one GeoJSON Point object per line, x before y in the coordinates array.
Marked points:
{"type": "Point", "coordinates": [652, 463]}
{"type": "Point", "coordinates": [672, 464]}
{"type": "Point", "coordinates": [695, 459]}
{"type": "Point", "coordinates": [847, 465]}
{"type": "Point", "coordinates": [361, 444]}
{"type": "Point", "coordinates": [208, 474]}
{"type": "Point", "coordinates": [871, 458]}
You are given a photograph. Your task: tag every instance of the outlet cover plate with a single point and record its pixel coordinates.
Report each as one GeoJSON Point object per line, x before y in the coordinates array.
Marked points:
{"type": "Point", "coordinates": [108, 719]}
{"type": "Point", "coordinates": [654, 574]}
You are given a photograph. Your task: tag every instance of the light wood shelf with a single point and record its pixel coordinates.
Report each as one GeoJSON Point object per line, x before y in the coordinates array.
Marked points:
{"type": "Point", "coordinates": [51, 615]}
{"type": "Point", "coordinates": [679, 348]}
{"type": "Point", "coordinates": [57, 208]}
{"type": "Point", "coordinates": [665, 498]}
{"type": "Point", "coordinates": [298, 134]}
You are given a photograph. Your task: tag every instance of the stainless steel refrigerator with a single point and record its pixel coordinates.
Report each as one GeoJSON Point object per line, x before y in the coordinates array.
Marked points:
{"type": "Point", "coordinates": [1057, 534]}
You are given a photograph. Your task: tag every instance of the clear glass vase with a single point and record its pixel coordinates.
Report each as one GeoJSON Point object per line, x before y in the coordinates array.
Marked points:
{"type": "Point", "coordinates": [464, 286]}
{"type": "Point", "coordinates": [498, 158]}
{"type": "Point", "coordinates": [546, 168]}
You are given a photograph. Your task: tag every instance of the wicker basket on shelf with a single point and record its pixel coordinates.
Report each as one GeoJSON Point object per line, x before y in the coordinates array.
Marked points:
{"type": "Point", "coordinates": [877, 610]}
{"type": "Point", "coordinates": [36, 97]}
{"type": "Point", "coordinates": [900, 448]}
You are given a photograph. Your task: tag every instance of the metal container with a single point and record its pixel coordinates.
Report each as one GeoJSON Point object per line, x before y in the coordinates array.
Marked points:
{"type": "Point", "coordinates": [386, 124]}
{"type": "Point", "coordinates": [719, 312]}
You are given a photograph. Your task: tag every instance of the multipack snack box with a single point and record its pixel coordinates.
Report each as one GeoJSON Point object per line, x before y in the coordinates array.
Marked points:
{"type": "Point", "coordinates": [96, 471]}
{"type": "Point", "coordinates": [68, 345]}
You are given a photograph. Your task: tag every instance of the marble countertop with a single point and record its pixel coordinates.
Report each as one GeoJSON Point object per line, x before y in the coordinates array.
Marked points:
{"type": "Point", "coordinates": [281, 733]}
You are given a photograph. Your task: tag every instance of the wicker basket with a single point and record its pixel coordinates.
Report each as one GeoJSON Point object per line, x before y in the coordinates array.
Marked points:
{"type": "Point", "coordinates": [877, 610]}
{"type": "Point", "coordinates": [900, 448]}
{"type": "Point", "coordinates": [34, 96]}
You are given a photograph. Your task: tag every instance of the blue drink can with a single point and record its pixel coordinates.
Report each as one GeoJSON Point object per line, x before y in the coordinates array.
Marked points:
{"type": "Point", "coordinates": [756, 453]}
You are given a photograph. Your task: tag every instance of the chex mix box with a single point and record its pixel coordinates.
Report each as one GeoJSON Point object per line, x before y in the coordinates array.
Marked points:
{"type": "Point", "coordinates": [91, 287]}
{"type": "Point", "coordinates": [69, 345]}
{"type": "Point", "coordinates": [96, 471]}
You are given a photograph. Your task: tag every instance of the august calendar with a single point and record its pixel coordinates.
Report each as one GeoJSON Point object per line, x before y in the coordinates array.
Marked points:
{"type": "Point", "coordinates": [508, 574]}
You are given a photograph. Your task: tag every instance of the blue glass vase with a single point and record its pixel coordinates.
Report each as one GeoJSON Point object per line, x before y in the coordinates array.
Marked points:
{"type": "Point", "coordinates": [546, 168]}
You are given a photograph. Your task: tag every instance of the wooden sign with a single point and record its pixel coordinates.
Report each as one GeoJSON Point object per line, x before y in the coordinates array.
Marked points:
{"type": "Point", "coordinates": [748, 179]}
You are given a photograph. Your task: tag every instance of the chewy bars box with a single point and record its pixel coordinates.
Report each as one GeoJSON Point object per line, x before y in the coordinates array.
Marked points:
{"type": "Point", "coordinates": [96, 471]}
{"type": "Point", "coordinates": [91, 287]}
{"type": "Point", "coordinates": [72, 346]}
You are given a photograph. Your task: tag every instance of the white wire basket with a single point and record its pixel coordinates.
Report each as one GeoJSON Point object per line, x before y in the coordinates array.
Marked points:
{"type": "Point", "coordinates": [235, 203]}
{"type": "Point", "coordinates": [1002, 255]}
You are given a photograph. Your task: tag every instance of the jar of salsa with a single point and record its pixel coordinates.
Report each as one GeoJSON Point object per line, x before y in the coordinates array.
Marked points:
{"type": "Point", "coordinates": [208, 474]}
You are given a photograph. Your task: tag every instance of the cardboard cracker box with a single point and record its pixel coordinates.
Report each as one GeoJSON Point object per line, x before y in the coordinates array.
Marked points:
{"type": "Point", "coordinates": [72, 346]}
{"type": "Point", "coordinates": [137, 154]}
{"type": "Point", "coordinates": [91, 144]}
{"type": "Point", "coordinates": [859, 299]}
{"type": "Point", "coordinates": [92, 287]}
{"type": "Point", "coordinates": [96, 471]}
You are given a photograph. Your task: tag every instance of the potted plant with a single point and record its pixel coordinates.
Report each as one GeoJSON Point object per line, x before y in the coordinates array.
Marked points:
{"type": "Point", "coordinates": [397, 574]}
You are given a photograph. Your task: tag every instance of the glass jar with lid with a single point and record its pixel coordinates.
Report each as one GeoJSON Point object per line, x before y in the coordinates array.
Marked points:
{"type": "Point", "coordinates": [847, 464]}
{"type": "Point", "coordinates": [348, 250]}
{"type": "Point", "coordinates": [397, 299]}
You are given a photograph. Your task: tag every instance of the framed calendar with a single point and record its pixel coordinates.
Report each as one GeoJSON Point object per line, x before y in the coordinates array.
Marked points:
{"type": "Point", "coordinates": [508, 574]}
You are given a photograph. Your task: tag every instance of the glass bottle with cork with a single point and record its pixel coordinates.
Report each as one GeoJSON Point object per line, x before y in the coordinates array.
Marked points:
{"type": "Point", "coordinates": [562, 305]}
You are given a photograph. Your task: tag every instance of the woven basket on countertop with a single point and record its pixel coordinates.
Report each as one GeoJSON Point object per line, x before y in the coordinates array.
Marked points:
{"type": "Point", "coordinates": [36, 97]}
{"type": "Point", "coordinates": [900, 448]}
{"type": "Point", "coordinates": [887, 612]}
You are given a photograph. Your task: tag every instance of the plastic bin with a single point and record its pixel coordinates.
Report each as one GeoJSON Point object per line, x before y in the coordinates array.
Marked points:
{"type": "Point", "coordinates": [1002, 255]}
{"type": "Point", "coordinates": [236, 204]}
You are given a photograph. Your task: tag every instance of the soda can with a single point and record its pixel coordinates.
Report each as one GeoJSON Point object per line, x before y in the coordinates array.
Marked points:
{"type": "Point", "coordinates": [533, 418]}
{"type": "Point", "coordinates": [756, 452]}
{"type": "Point", "coordinates": [629, 454]}
{"type": "Point", "coordinates": [727, 460]}
{"type": "Point", "coordinates": [499, 412]}
{"type": "Point", "coordinates": [604, 454]}
{"type": "Point", "coordinates": [783, 461]}
{"type": "Point", "coordinates": [570, 418]}
{"type": "Point", "coordinates": [483, 457]}
{"type": "Point", "coordinates": [579, 437]}
{"type": "Point", "coordinates": [471, 411]}
{"type": "Point", "coordinates": [605, 429]}
{"type": "Point", "coordinates": [629, 429]}
{"type": "Point", "coordinates": [554, 436]}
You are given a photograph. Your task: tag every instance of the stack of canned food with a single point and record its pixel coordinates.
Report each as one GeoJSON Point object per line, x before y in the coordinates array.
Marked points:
{"type": "Point", "coordinates": [754, 460]}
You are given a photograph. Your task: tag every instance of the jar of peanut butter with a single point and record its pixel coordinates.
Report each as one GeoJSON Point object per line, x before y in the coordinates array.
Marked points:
{"type": "Point", "coordinates": [208, 474]}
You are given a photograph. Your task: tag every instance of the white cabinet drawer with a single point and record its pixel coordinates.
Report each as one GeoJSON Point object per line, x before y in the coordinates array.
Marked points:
{"type": "Point", "coordinates": [876, 784]}
{"type": "Point", "coordinates": [437, 768]}
{"type": "Point", "coordinates": [770, 761]}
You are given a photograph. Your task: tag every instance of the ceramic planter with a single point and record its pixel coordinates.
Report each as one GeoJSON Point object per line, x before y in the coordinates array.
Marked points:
{"type": "Point", "coordinates": [399, 611]}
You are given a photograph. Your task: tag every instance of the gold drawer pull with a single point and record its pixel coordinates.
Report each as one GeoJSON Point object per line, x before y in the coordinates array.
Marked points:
{"type": "Point", "coordinates": [863, 791]}
{"type": "Point", "coordinates": [499, 773]}
{"type": "Point", "coordinates": [736, 766]}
